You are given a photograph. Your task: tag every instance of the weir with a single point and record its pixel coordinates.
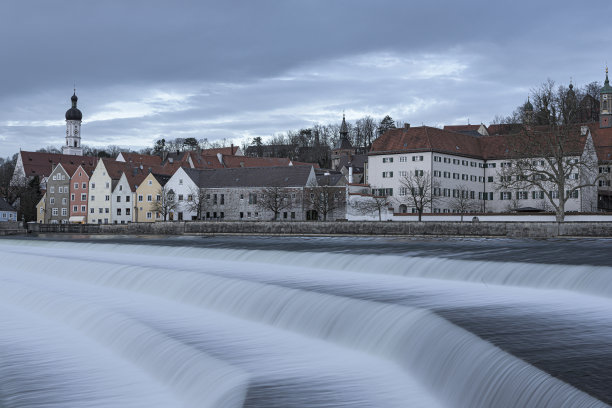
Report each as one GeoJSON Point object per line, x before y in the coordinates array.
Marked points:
{"type": "Point", "coordinates": [340, 330]}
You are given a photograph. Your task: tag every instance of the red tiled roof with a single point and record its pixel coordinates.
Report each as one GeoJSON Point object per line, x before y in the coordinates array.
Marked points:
{"type": "Point", "coordinates": [425, 138]}
{"type": "Point", "coordinates": [226, 151]}
{"type": "Point", "coordinates": [41, 164]}
{"type": "Point", "coordinates": [458, 128]}
{"type": "Point", "coordinates": [144, 159]}
{"type": "Point", "coordinates": [422, 139]}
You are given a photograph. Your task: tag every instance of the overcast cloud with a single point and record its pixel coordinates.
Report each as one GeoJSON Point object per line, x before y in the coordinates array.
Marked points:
{"type": "Point", "coordinates": [240, 69]}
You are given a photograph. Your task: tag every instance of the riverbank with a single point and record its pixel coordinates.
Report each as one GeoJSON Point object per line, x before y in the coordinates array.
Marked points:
{"type": "Point", "coordinates": [366, 228]}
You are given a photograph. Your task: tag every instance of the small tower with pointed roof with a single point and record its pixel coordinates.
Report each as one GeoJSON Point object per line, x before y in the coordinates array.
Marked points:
{"type": "Point", "coordinates": [605, 110]}
{"type": "Point", "coordinates": [344, 146]}
{"type": "Point", "coordinates": [528, 112]}
{"type": "Point", "coordinates": [73, 129]}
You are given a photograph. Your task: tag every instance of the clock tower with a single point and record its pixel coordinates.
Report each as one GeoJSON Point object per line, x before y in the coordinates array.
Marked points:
{"type": "Point", "coordinates": [73, 129]}
{"type": "Point", "coordinates": [605, 110]}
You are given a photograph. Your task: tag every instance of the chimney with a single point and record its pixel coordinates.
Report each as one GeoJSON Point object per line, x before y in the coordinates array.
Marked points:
{"type": "Point", "coordinates": [350, 180]}
{"type": "Point", "coordinates": [232, 151]}
{"type": "Point", "coordinates": [406, 125]}
{"type": "Point", "coordinates": [220, 157]}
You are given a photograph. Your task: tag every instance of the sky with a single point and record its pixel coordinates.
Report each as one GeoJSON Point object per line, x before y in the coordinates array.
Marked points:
{"type": "Point", "coordinates": [235, 70]}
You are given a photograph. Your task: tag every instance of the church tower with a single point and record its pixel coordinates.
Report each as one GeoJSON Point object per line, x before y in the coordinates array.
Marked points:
{"type": "Point", "coordinates": [605, 110]}
{"type": "Point", "coordinates": [73, 129]}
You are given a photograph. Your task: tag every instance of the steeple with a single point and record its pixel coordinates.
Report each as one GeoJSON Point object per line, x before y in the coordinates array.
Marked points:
{"type": "Point", "coordinates": [344, 129]}
{"type": "Point", "coordinates": [73, 129]}
{"type": "Point", "coordinates": [605, 111]}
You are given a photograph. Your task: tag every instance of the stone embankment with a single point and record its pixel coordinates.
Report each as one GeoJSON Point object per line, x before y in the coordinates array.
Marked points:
{"type": "Point", "coordinates": [12, 228]}
{"type": "Point", "coordinates": [463, 229]}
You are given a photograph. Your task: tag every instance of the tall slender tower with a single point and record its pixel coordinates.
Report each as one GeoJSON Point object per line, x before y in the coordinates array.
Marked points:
{"type": "Point", "coordinates": [605, 110]}
{"type": "Point", "coordinates": [73, 129]}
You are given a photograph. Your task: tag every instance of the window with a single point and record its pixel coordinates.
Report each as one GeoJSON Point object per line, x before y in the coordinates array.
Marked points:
{"type": "Point", "coordinates": [52, 189]}
{"type": "Point", "coordinates": [403, 191]}
{"type": "Point", "coordinates": [447, 174]}
{"type": "Point", "coordinates": [438, 159]}
{"type": "Point", "coordinates": [481, 179]}
{"type": "Point", "coordinates": [149, 215]}
{"type": "Point", "coordinates": [464, 177]}
{"type": "Point", "coordinates": [241, 196]}
{"type": "Point", "coordinates": [472, 178]}
{"type": "Point", "coordinates": [505, 195]}
{"type": "Point", "coordinates": [522, 195]}
{"type": "Point", "coordinates": [83, 208]}
{"type": "Point", "coordinates": [241, 214]}
{"type": "Point", "coordinates": [83, 197]}
{"type": "Point", "coordinates": [456, 176]}
{"type": "Point", "coordinates": [190, 197]}
{"type": "Point", "coordinates": [84, 186]}
{"type": "Point", "coordinates": [93, 185]}
{"type": "Point", "coordinates": [127, 211]}
{"type": "Point", "coordinates": [573, 176]}
{"type": "Point", "coordinates": [180, 197]}
{"type": "Point", "coordinates": [52, 200]}
{"type": "Point", "coordinates": [118, 199]}
{"type": "Point", "coordinates": [118, 211]}
{"type": "Point", "coordinates": [150, 182]}
{"type": "Point", "coordinates": [149, 198]}
{"type": "Point", "coordinates": [437, 191]}
{"type": "Point", "coordinates": [446, 192]}
{"type": "Point", "coordinates": [387, 174]}
{"type": "Point", "coordinates": [107, 210]}
{"type": "Point", "coordinates": [64, 201]}
{"type": "Point", "coordinates": [215, 200]}
{"type": "Point", "coordinates": [91, 210]}
{"type": "Point", "coordinates": [64, 212]}
{"type": "Point", "coordinates": [140, 197]}
{"type": "Point", "coordinates": [417, 158]}
{"type": "Point", "coordinates": [75, 208]}
{"type": "Point", "coordinates": [54, 211]}
{"type": "Point", "coordinates": [537, 195]}
{"type": "Point", "coordinates": [447, 160]}
{"type": "Point", "coordinates": [403, 159]}
{"type": "Point", "coordinates": [72, 197]}
{"type": "Point", "coordinates": [472, 164]}
{"type": "Point", "coordinates": [571, 194]}
{"type": "Point", "coordinates": [100, 210]}
{"type": "Point", "coordinates": [293, 215]}
{"type": "Point", "coordinates": [222, 199]}
{"type": "Point", "coordinates": [107, 184]}
{"type": "Point", "coordinates": [437, 173]}
{"type": "Point", "coordinates": [252, 199]}
{"type": "Point", "coordinates": [456, 161]}
{"type": "Point", "coordinates": [403, 173]}
{"type": "Point", "coordinates": [418, 173]}
{"type": "Point", "coordinates": [387, 159]}
{"type": "Point", "coordinates": [180, 182]}
{"type": "Point", "coordinates": [158, 198]}
{"type": "Point", "coordinates": [120, 188]}
{"type": "Point", "coordinates": [76, 186]}
{"type": "Point", "coordinates": [127, 198]}
{"type": "Point", "coordinates": [490, 179]}
{"type": "Point", "coordinates": [107, 198]}
{"type": "Point", "coordinates": [464, 162]}
{"type": "Point", "coordinates": [554, 194]}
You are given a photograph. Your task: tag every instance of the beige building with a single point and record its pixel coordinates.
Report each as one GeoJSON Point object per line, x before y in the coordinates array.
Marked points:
{"type": "Point", "coordinates": [148, 194]}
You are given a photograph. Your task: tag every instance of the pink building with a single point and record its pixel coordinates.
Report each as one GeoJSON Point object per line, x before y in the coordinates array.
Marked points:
{"type": "Point", "coordinates": [79, 193]}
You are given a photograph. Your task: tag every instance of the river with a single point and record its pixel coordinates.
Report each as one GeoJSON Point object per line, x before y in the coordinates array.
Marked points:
{"type": "Point", "coordinates": [96, 321]}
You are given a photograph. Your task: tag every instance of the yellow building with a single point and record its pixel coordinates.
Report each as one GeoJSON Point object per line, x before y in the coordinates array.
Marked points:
{"type": "Point", "coordinates": [148, 194]}
{"type": "Point", "coordinates": [40, 210]}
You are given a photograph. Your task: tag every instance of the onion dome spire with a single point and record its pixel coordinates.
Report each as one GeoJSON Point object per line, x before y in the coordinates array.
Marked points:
{"type": "Point", "coordinates": [74, 113]}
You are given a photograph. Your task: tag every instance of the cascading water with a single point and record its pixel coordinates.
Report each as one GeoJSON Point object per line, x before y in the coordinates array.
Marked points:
{"type": "Point", "coordinates": [141, 325]}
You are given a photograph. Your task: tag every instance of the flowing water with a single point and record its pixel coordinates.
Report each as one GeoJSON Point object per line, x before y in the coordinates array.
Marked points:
{"type": "Point", "coordinates": [320, 322]}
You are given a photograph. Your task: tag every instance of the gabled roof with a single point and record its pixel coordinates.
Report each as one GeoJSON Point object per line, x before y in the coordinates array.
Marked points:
{"type": "Point", "coordinates": [41, 164]}
{"type": "Point", "coordinates": [461, 128]}
{"type": "Point", "coordinates": [286, 176]}
{"type": "Point", "coordinates": [144, 159]}
{"type": "Point", "coordinates": [226, 151]}
{"type": "Point", "coordinates": [4, 206]}
{"type": "Point", "coordinates": [425, 138]}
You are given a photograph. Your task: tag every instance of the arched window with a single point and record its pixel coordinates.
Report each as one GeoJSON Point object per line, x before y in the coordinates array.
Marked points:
{"type": "Point", "coordinates": [403, 209]}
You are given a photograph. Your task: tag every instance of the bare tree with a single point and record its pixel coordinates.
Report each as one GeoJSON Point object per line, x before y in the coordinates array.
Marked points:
{"type": "Point", "coordinates": [371, 204]}
{"type": "Point", "coordinates": [557, 160]}
{"type": "Point", "coordinates": [198, 201]}
{"type": "Point", "coordinates": [417, 191]}
{"type": "Point", "coordinates": [463, 201]}
{"type": "Point", "coordinates": [324, 199]}
{"type": "Point", "coordinates": [275, 200]}
{"type": "Point", "coordinates": [165, 202]}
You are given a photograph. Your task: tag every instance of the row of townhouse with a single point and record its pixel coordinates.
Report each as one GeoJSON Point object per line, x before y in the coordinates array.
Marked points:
{"type": "Point", "coordinates": [120, 192]}
{"type": "Point", "coordinates": [461, 166]}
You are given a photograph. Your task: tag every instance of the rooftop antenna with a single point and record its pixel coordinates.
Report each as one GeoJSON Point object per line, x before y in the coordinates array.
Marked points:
{"type": "Point", "coordinates": [468, 121]}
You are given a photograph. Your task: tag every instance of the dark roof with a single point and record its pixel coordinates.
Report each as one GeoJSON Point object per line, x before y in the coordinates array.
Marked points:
{"type": "Point", "coordinates": [4, 206]}
{"type": "Point", "coordinates": [357, 161]}
{"type": "Point", "coordinates": [330, 179]}
{"type": "Point", "coordinates": [162, 179]}
{"type": "Point", "coordinates": [287, 176]}
{"type": "Point", "coordinates": [73, 113]}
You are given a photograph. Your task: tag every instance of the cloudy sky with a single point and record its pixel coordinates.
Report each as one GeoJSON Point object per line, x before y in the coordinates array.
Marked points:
{"type": "Point", "coordinates": [240, 69]}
